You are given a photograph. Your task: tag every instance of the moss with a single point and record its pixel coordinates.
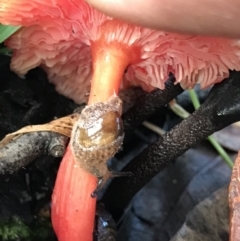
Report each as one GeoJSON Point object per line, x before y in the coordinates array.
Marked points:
{"type": "Point", "coordinates": [16, 230]}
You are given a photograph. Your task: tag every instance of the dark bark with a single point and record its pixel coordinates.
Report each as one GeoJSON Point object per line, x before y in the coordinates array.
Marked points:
{"type": "Point", "coordinates": [26, 148]}
{"type": "Point", "coordinates": [221, 108]}
{"type": "Point", "coordinates": [149, 104]}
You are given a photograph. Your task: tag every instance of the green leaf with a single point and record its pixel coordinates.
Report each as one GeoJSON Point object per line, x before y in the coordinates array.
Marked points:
{"type": "Point", "coordinates": [5, 51]}
{"type": "Point", "coordinates": [7, 31]}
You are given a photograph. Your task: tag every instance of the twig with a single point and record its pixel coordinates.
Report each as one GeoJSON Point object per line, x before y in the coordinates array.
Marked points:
{"type": "Point", "coordinates": [211, 139]}
{"type": "Point", "coordinates": [177, 109]}
{"type": "Point", "coordinates": [220, 109]}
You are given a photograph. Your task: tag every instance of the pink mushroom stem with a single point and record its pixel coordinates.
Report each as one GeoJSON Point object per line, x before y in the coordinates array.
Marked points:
{"type": "Point", "coordinates": [108, 69]}
{"type": "Point", "coordinates": [110, 60]}
{"type": "Point", "coordinates": [234, 202]}
{"type": "Point", "coordinates": [73, 208]}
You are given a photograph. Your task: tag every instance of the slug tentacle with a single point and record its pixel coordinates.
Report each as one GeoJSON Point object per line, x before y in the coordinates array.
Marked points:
{"type": "Point", "coordinates": [111, 174]}
{"type": "Point", "coordinates": [97, 136]}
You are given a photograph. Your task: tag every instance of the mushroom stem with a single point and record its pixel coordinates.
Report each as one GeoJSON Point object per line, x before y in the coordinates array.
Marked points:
{"type": "Point", "coordinates": [73, 209]}
{"type": "Point", "coordinates": [109, 64]}
{"type": "Point", "coordinates": [234, 202]}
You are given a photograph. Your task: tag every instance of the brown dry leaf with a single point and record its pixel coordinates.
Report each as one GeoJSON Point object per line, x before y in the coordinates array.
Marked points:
{"type": "Point", "coordinates": [62, 126]}
{"type": "Point", "coordinates": [229, 137]}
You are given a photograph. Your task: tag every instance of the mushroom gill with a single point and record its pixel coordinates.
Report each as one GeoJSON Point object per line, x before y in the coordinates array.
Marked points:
{"type": "Point", "coordinates": [64, 36]}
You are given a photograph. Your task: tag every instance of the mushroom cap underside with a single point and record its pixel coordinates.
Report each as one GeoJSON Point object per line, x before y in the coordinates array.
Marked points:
{"type": "Point", "coordinates": [58, 36]}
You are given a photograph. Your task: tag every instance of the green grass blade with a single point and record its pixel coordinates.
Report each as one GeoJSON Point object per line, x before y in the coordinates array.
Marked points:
{"type": "Point", "coordinates": [211, 139]}
{"type": "Point", "coordinates": [7, 31]}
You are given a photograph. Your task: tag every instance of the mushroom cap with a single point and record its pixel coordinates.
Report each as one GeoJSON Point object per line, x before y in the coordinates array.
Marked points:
{"type": "Point", "coordinates": [58, 36]}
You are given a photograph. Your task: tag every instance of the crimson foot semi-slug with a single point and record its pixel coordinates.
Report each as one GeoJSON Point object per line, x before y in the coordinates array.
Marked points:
{"type": "Point", "coordinates": [97, 136]}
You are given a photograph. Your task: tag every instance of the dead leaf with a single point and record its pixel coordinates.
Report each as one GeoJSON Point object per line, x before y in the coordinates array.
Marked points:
{"type": "Point", "coordinates": [62, 126]}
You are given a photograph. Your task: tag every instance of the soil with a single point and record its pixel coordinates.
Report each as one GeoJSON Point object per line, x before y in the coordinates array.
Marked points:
{"type": "Point", "coordinates": [173, 204]}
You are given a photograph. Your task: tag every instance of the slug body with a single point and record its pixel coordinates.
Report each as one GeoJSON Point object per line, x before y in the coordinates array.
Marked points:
{"type": "Point", "coordinates": [97, 136]}
{"type": "Point", "coordinates": [105, 227]}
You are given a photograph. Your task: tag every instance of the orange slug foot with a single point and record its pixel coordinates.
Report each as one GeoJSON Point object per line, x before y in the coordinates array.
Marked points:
{"type": "Point", "coordinates": [97, 136]}
{"type": "Point", "coordinates": [234, 202]}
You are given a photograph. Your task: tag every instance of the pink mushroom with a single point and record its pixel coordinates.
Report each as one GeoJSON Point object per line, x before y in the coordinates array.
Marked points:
{"type": "Point", "coordinates": [78, 47]}
{"type": "Point", "coordinates": [60, 36]}
{"type": "Point", "coordinates": [234, 202]}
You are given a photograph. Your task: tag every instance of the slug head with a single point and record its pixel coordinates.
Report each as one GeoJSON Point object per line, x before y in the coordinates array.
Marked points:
{"type": "Point", "coordinates": [103, 132]}
{"type": "Point", "coordinates": [97, 136]}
